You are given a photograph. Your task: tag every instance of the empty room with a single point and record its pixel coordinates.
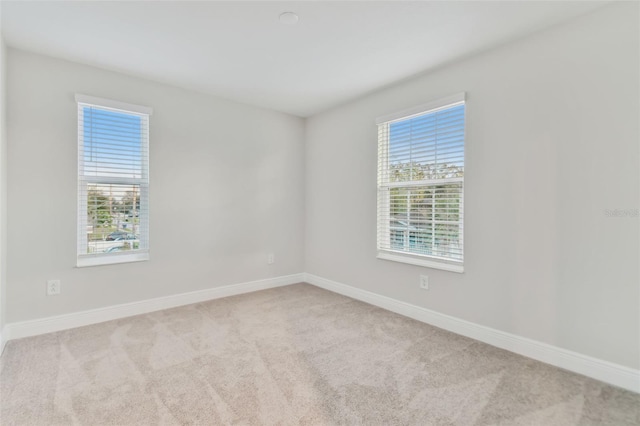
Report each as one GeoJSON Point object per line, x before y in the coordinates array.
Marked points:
{"type": "Point", "coordinates": [320, 213]}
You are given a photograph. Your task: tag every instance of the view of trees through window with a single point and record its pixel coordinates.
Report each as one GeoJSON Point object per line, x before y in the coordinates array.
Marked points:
{"type": "Point", "coordinates": [113, 217]}
{"type": "Point", "coordinates": [425, 218]}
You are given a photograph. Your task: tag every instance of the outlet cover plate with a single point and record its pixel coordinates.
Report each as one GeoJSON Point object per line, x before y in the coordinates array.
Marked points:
{"type": "Point", "coordinates": [53, 287]}
{"type": "Point", "coordinates": [424, 282]}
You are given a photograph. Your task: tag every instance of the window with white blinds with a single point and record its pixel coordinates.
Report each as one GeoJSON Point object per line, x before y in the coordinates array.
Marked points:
{"type": "Point", "coordinates": [421, 185]}
{"type": "Point", "coordinates": [113, 181]}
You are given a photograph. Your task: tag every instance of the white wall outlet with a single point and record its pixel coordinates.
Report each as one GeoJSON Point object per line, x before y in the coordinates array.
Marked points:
{"type": "Point", "coordinates": [424, 282]}
{"type": "Point", "coordinates": [53, 287]}
{"type": "Point", "coordinates": [271, 258]}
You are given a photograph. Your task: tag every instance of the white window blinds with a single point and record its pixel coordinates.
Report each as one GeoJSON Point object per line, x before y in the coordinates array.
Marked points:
{"type": "Point", "coordinates": [420, 185]}
{"type": "Point", "coordinates": [113, 181]}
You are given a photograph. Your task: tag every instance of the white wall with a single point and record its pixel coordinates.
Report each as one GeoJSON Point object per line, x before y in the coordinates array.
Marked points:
{"type": "Point", "coordinates": [226, 188]}
{"type": "Point", "coordinates": [552, 143]}
{"type": "Point", "coordinates": [3, 182]}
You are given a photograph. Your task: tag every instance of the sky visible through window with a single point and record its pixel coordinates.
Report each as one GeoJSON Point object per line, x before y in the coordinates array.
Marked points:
{"type": "Point", "coordinates": [435, 139]}
{"type": "Point", "coordinates": [112, 143]}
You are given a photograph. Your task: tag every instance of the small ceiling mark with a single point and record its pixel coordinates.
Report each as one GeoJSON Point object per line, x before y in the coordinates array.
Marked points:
{"type": "Point", "coordinates": [288, 18]}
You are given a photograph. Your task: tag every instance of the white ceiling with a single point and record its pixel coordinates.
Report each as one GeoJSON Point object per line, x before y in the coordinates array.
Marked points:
{"type": "Point", "coordinates": [240, 51]}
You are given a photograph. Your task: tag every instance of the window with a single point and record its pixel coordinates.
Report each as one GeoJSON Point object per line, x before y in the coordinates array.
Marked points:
{"type": "Point", "coordinates": [420, 185]}
{"type": "Point", "coordinates": [113, 181]}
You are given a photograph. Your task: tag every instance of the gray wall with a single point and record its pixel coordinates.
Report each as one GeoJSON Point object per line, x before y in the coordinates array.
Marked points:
{"type": "Point", "coordinates": [3, 180]}
{"type": "Point", "coordinates": [552, 143]}
{"type": "Point", "coordinates": [226, 189]}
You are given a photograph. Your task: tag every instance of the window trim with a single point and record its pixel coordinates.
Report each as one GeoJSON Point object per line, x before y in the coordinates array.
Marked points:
{"type": "Point", "coordinates": [84, 259]}
{"type": "Point", "coordinates": [434, 262]}
{"type": "Point", "coordinates": [112, 104]}
{"type": "Point", "coordinates": [111, 258]}
{"type": "Point", "coordinates": [427, 261]}
{"type": "Point", "coordinates": [424, 108]}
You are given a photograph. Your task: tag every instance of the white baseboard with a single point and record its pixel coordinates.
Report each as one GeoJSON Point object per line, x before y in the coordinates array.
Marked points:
{"type": "Point", "coordinates": [3, 340]}
{"type": "Point", "coordinates": [617, 375]}
{"type": "Point", "coordinates": [605, 371]}
{"type": "Point", "coordinates": [17, 330]}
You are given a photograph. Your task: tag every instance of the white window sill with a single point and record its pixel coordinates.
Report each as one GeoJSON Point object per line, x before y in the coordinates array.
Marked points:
{"type": "Point", "coordinates": [421, 261]}
{"type": "Point", "coordinates": [110, 259]}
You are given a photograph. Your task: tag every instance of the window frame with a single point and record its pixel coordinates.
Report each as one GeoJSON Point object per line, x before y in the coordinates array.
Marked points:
{"type": "Point", "coordinates": [84, 259]}
{"type": "Point", "coordinates": [383, 227]}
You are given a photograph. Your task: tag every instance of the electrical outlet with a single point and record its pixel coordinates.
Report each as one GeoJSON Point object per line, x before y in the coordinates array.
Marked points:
{"type": "Point", "coordinates": [424, 282]}
{"type": "Point", "coordinates": [53, 287]}
{"type": "Point", "coordinates": [271, 259]}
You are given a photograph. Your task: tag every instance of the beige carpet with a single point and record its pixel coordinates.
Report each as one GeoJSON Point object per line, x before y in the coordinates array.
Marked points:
{"type": "Point", "coordinates": [287, 356]}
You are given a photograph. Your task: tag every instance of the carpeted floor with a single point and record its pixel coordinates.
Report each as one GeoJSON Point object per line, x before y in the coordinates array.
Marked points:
{"type": "Point", "coordinates": [291, 355]}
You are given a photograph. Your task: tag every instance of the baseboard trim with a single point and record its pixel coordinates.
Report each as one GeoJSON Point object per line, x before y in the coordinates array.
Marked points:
{"type": "Point", "coordinates": [608, 372]}
{"type": "Point", "coordinates": [18, 330]}
{"type": "Point", "coordinates": [3, 340]}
